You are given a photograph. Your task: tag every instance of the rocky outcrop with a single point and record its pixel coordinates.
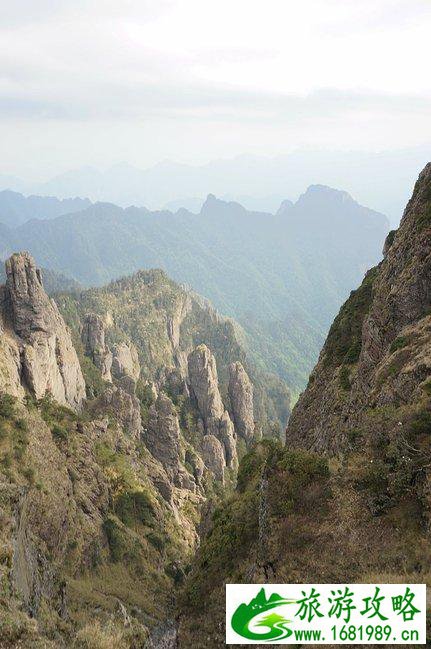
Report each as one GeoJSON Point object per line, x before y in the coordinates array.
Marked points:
{"type": "Point", "coordinates": [204, 388]}
{"type": "Point", "coordinates": [377, 353]}
{"type": "Point", "coordinates": [241, 400]}
{"type": "Point", "coordinates": [162, 435]}
{"type": "Point", "coordinates": [213, 455]}
{"type": "Point", "coordinates": [182, 308]}
{"type": "Point", "coordinates": [125, 362]}
{"type": "Point", "coordinates": [204, 383]}
{"type": "Point", "coordinates": [93, 339]}
{"type": "Point", "coordinates": [123, 406]}
{"type": "Point", "coordinates": [162, 438]}
{"type": "Point", "coordinates": [40, 350]}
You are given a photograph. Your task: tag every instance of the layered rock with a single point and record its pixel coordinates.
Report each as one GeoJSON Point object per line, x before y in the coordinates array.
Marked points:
{"type": "Point", "coordinates": [204, 388]}
{"type": "Point", "coordinates": [93, 339]}
{"type": "Point", "coordinates": [40, 350]}
{"type": "Point", "coordinates": [241, 400]}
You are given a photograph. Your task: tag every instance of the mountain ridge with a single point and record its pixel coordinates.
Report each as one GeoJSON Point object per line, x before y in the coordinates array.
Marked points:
{"type": "Point", "coordinates": [275, 274]}
{"type": "Point", "coordinates": [348, 497]}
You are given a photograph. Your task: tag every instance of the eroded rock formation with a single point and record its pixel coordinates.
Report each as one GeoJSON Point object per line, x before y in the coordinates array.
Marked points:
{"type": "Point", "coordinates": [205, 389]}
{"type": "Point", "coordinates": [38, 354]}
{"type": "Point", "coordinates": [241, 399]}
{"type": "Point", "coordinates": [93, 339]}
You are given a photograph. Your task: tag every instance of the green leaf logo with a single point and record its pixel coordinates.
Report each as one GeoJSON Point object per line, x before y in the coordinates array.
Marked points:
{"type": "Point", "coordinates": [277, 625]}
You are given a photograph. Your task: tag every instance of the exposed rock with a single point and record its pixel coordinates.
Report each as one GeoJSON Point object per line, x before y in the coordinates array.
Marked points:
{"type": "Point", "coordinates": [223, 429]}
{"type": "Point", "coordinates": [125, 362]}
{"type": "Point", "coordinates": [174, 322]}
{"type": "Point", "coordinates": [378, 350]}
{"type": "Point", "coordinates": [123, 406]}
{"type": "Point", "coordinates": [204, 383]}
{"type": "Point", "coordinates": [204, 387]}
{"type": "Point", "coordinates": [162, 436]}
{"type": "Point", "coordinates": [241, 399]}
{"type": "Point", "coordinates": [48, 363]}
{"type": "Point", "coordinates": [196, 464]}
{"type": "Point", "coordinates": [213, 455]}
{"type": "Point", "coordinates": [93, 338]}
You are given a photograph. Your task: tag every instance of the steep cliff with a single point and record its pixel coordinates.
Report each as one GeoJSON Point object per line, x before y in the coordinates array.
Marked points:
{"type": "Point", "coordinates": [348, 498]}
{"type": "Point", "coordinates": [38, 354]}
{"type": "Point", "coordinates": [105, 484]}
{"type": "Point", "coordinates": [377, 354]}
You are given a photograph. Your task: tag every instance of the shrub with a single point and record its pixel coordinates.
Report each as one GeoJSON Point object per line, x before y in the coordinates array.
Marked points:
{"type": "Point", "coordinates": [398, 343]}
{"type": "Point", "coordinates": [59, 432]}
{"type": "Point", "coordinates": [421, 423]}
{"type": "Point", "coordinates": [7, 405]}
{"type": "Point", "coordinates": [157, 541]}
{"type": "Point", "coordinates": [134, 507]}
{"type": "Point", "coordinates": [94, 382]}
{"type": "Point", "coordinates": [117, 546]}
{"type": "Point", "coordinates": [304, 466]}
{"type": "Point", "coordinates": [345, 335]}
{"type": "Point", "coordinates": [29, 474]}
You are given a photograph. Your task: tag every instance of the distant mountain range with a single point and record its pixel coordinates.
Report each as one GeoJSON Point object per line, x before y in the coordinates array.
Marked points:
{"type": "Point", "coordinates": [283, 276]}
{"type": "Point", "coordinates": [382, 179]}
{"type": "Point", "coordinates": [16, 209]}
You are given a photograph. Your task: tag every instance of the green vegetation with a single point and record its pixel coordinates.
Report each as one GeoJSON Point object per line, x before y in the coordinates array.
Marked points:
{"type": "Point", "coordinates": [398, 343]}
{"type": "Point", "coordinates": [390, 238]}
{"type": "Point", "coordinates": [421, 423]}
{"type": "Point", "coordinates": [344, 340]}
{"type": "Point", "coordinates": [296, 479]}
{"type": "Point", "coordinates": [138, 309]}
{"type": "Point", "coordinates": [344, 378]}
{"type": "Point", "coordinates": [135, 507]}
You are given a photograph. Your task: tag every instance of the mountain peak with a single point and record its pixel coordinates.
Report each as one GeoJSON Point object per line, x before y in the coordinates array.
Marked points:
{"type": "Point", "coordinates": [320, 193]}
{"type": "Point", "coordinates": [213, 203]}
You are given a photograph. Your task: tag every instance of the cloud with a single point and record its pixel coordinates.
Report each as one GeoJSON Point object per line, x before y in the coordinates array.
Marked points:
{"type": "Point", "coordinates": [201, 75]}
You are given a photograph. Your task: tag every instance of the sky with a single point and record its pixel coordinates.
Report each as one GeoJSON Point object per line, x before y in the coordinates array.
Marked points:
{"type": "Point", "coordinates": [99, 82]}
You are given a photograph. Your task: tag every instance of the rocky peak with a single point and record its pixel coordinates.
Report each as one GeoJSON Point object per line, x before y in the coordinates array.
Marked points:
{"type": "Point", "coordinates": [241, 399]}
{"type": "Point", "coordinates": [205, 389]}
{"type": "Point", "coordinates": [285, 207]}
{"type": "Point", "coordinates": [315, 194]}
{"type": "Point", "coordinates": [46, 360]}
{"type": "Point", "coordinates": [204, 382]}
{"type": "Point", "coordinates": [215, 206]}
{"type": "Point", "coordinates": [93, 339]}
{"type": "Point", "coordinates": [162, 438]}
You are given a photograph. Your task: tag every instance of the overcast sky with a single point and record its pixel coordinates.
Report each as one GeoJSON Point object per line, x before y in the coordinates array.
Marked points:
{"type": "Point", "coordinates": [102, 81]}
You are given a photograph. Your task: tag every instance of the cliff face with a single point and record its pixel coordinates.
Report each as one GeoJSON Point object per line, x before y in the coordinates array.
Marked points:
{"type": "Point", "coordinates": [39, 355]}
{"type": "Point", "coordinates": [214, 420]}
{"type": "Point", "coordinates": [377, 353]}
{"type": "Point", "coordinates": [103, 481]}
{"type": "Point", "coordinates": [349, 495]}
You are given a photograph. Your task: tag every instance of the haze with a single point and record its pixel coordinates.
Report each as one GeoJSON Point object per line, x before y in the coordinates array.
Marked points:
{"type": "Point", "coordinates": [99, 83]}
